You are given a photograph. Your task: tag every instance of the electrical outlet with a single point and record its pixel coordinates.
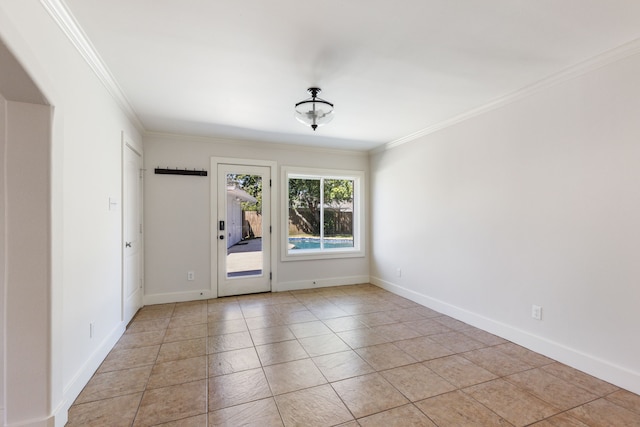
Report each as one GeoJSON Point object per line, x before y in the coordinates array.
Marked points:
{"type": "Point", "coordinates": [536, 312]}
{"type": "Point", "coordinates": [191, 275]}
{"type": "Point", "coordinates": [91, 329]}
{"type": "Point", "coordinates": [399, 272]}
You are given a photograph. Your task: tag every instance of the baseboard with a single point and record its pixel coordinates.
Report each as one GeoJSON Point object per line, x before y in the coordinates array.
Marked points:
{"type": "Point", "coordinates": [320, 283]}
{"type": "Point", "coordinates": [603, 369]}
{"type": "Point", "coordinates": [71, 392]}
{"type": "Point", "coordinates": [177, 297]}
{"type": "Point", "coordinates": [278, 287]}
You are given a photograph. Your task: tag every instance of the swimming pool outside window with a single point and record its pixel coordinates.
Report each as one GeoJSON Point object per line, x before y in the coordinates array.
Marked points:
{"type": "Point", "coordinates": [323, 213]}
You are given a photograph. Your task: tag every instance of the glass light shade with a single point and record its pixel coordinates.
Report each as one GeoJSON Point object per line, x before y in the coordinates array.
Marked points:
{"type": "Point", "coordinates": [314, 111]}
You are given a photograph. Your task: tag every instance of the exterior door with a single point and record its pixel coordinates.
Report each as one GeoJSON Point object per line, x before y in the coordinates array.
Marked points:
{"type": "Point", "coordinates": [132, 233]}
{"type": "Point", "coordinates": [243, 229]}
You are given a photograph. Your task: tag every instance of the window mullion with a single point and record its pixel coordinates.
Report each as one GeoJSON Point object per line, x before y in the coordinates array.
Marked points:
{"type": "Point", "coordinates": [321, 214]}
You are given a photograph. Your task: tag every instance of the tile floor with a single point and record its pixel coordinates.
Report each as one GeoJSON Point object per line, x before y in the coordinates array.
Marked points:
{"type": "Point", "coordinates": [349, 356]}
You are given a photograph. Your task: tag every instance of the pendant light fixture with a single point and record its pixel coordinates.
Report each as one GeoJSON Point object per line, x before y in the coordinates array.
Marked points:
{"type": "Point", "coordinates": [314, 111]}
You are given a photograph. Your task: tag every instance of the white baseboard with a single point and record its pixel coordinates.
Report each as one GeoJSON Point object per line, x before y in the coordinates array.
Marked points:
{"type": "Point", "coordinates": [320, 283]}
{"type": "Point", "coordinates": [83, 376]}
{"type": "Point", "coordinates": [603, 369]}
{"type": "Point", "coordinates": [276, 287]}
{"type": "Point", "coordinates": [177, 297]}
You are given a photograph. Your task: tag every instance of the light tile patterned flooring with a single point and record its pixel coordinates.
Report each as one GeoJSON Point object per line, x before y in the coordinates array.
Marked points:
{"type": "Point", "coordinates": [350, 356]}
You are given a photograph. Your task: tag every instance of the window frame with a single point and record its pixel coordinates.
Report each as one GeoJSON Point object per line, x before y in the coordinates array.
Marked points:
{"type": "Point", "coordinates": [358, 178]}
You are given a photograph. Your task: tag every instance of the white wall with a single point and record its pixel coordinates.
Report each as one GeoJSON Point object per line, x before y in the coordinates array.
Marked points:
{"type": "Point", "coordinates": [177, 215]}
{"type": "Point", "coordinates": [536, 202]}
{"type": "Point", "coordinates": [27, 261]}
{"type": "Point", "coordinates": [83, 240]}
{"type": "Point", "coordinates": [3, 240]}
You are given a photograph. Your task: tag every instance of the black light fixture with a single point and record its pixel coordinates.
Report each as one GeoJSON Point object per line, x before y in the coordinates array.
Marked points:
{"type": "Point", "coordinates": [314, 111]}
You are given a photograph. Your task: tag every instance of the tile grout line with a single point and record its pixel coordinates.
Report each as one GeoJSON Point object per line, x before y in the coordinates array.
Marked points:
{"type": "Point", "coordinates": [279, 307]}
{"type": "Point", "coordinates": [144, 391]}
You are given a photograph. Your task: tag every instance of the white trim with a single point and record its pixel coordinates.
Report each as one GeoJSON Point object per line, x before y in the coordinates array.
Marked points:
{"type": "Point", "coordinates": [618, 375]}
{"type": "Point", "coordinates": [128, 143]}
{"type": "Point", "coordinates": [71, 28]}
{"type": "Point", "coordinates": [84, 374]}
{"type": "Point", "coordinates": [320, 283]}
{"type": "Point", "coordinates": [359, 215]}
{"type": "Point", "coordinates": [171, 297]}
{"type": "Point", "coordinates": [599, 61]}
{"type": "Point", "coordinates": [213, 201]}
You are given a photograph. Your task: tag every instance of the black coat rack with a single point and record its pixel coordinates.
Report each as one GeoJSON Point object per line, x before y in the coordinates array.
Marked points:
{"type": "Point", "coordinates": [167, 171]}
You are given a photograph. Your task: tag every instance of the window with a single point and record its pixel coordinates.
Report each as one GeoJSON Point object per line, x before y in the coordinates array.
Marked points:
{"type": "Point", "coordinates": [322, 213]}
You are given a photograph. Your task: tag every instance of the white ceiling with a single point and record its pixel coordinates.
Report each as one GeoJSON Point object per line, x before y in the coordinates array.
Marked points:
{"type": "Point", "coordinates": [235, 68]}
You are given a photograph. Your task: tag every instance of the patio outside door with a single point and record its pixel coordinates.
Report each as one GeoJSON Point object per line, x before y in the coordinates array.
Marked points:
{"type": "Point", "coordinates": [243, 229]}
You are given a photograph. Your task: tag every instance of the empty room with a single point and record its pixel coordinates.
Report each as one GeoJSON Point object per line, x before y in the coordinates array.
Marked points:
{"type": "Point", "coordinates": [336, 214]}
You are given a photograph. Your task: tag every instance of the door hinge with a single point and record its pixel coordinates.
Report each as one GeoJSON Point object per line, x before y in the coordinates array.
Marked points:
{"type": "Point", "coordinates": [270, 229]}
{"type": "Point", "coordinates": [269, 183]}
{"type": "Point", "coordinates": [140, 228]}
{"type": "Point", "coordinates": [270, 276]}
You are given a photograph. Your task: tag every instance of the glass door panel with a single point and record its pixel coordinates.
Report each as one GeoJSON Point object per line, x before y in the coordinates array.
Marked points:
{"type": "Point", "coordinates": [243, 229]}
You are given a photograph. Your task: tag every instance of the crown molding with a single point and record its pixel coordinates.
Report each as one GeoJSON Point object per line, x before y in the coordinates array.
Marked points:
{"type": "Point", "coordinates": [62, 16]}
{"type": "Point", "coordinates": [599, 61]}
{"type": "Point", "coordinates": [68, 24]}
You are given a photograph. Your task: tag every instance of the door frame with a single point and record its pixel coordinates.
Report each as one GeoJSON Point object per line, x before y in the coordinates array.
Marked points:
{"type": "Point", "coordinates": [128, 144]}
{"type": "Point", "coordinates": [213, 215]}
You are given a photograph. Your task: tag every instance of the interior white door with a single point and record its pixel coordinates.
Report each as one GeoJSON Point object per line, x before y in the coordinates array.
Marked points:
{"type": "Point", "coordinates": [243, 229]}
{"type": "Point", "coordinates": [132, 233]}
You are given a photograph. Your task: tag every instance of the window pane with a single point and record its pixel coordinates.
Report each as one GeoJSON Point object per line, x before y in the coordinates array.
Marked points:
{"type": "Point", "coordinates": [338, 213]}
{"type": "Point", "coordinates": [323, 218]}
{"type": "Point", "coordinates": [304, 213]}
{"type": "Point", "coordinates": [244, 225]}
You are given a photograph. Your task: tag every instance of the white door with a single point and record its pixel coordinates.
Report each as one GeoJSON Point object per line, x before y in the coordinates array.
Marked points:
{"type": "Point", "coordinates": [243, 229]}
{"type": "Point", "coordinates": [132, 233]}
